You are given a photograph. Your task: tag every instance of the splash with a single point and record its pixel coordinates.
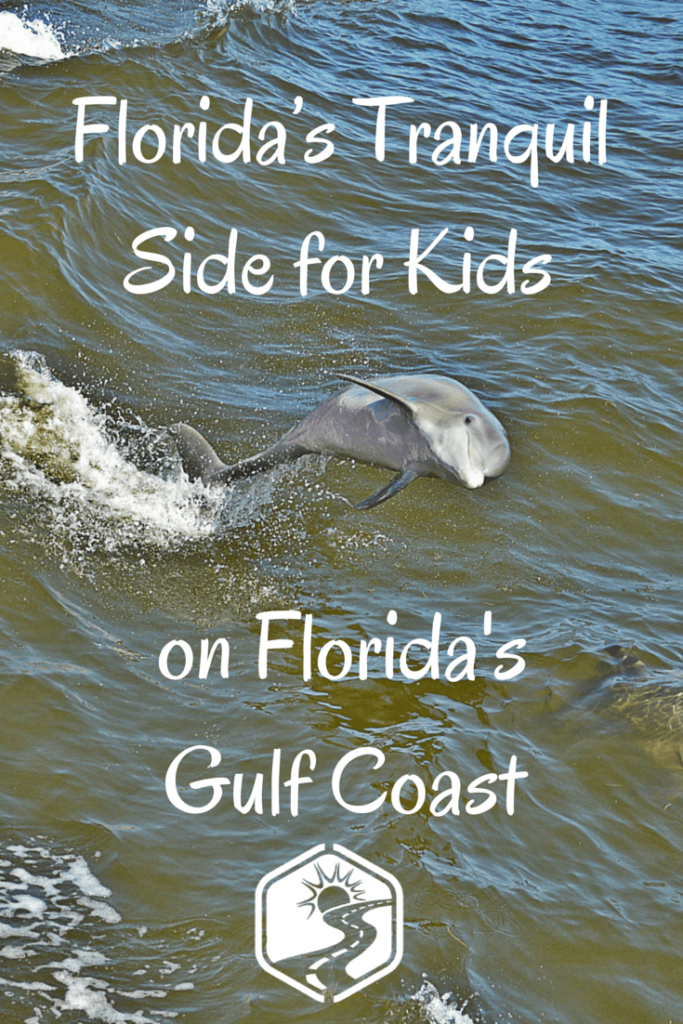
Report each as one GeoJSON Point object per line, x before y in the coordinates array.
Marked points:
{"type": "Point", "coordinates": [90, 28]}
{"type": "Point", "coordinates": [437, 1009]}
{"type": "Point", "coordinates": [53, 442]}
{"type": "Point", "coordinates": [221, 10]}
{"type": "Point", "coordinates": [37, 39]}
{"type": "Point", "coordinates": [105, 493]}
{"type": "Point", "coordinates": [53, 917]}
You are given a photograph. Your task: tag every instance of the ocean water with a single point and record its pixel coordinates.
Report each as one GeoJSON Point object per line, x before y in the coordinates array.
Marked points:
{"type": "Point", "coordinates": [116, 905]}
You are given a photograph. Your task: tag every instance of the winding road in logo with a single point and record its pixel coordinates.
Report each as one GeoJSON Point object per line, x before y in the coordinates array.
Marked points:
{"type": "Point", "coordinates": [329, 923]}
{"type": "Point", "coordinates": [328, 972]}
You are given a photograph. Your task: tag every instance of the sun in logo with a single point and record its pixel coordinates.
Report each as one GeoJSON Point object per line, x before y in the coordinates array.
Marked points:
{"type": "Point", "coordinates": [332, 890]}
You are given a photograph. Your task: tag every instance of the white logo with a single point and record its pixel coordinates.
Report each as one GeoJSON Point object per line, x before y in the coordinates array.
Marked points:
{"type": "Point", "coordinates": [329, 923]}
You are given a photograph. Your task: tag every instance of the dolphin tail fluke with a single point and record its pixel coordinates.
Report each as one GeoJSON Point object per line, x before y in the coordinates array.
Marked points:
{"type": "Point", "coordinates": [199, 460]}
{"type": "Point", "coordinates": [389, 490]}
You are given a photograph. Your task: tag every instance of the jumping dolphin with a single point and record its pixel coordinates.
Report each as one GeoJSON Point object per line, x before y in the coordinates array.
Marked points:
{"type": "Point", "coordinates": [417, 425]}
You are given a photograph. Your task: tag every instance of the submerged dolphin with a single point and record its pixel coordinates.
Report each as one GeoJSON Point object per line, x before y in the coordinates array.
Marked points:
{"type": "Point", "coordinates": [417, 425]}
{"type": "Point", "coordinates": [649, 699]}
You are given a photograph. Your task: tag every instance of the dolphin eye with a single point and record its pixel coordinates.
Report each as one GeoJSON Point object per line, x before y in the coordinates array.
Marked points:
{"type": "Point", "coordinates": [469, 419]}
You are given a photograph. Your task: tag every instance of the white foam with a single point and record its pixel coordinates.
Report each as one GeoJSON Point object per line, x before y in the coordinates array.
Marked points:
{"type": "Point", "coordinates": [67, 459]}
{"type": "Point", "coordinates": [15, 952]}
{"type": "Point", "coordinates": [43, 883]}
{"type": "Point", "coordinates": [21, 851]}
{"type": "Point", "coordinates": [30, 38]}
{"type": "Point", "coordinates": [169, 967]}
{"type": "Point", "coordinates": [437, 1008]}
{"type": "Point", "coordinates": [28, 986]}
{"type": "Point", "coordinates": [88, 994]}
{"type": "Point", "coordinates": [88, 975]}
{"type": "Point", "coordinates": [32, 905]}
{"type": "Point", "coordinates": [80, 873]}
{"type": "Point", "coordinates": [8, 932]}
{"type": "Point", "coordinates": [81, 958]}
{"type": "Point", "coordinates": [101, 910]}
{"type": "Point", "coordinates": [145, 993]}
{"type": "Point", "coordinates": [57, 444]}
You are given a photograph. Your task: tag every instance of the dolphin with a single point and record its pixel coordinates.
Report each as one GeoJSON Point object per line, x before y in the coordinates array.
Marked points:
{"type": "Point", "coordinates": [414, 424]}
{"type": "Point", "coordinates": [620, 686]}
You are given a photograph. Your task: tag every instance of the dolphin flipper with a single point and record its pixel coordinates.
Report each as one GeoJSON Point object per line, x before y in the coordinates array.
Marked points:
{"type": "Point", "coordinates": [404, 478]}
{"type": "Point", "coordinates": [199, 460]}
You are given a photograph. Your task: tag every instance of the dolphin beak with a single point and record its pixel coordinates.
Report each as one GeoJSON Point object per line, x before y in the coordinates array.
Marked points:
{"type": "Point", "coordinates": [497, 460]}
{"type": "Point", "coordinates": [473, 478]}
{"type": "Point", "coordinates": [478, 470]}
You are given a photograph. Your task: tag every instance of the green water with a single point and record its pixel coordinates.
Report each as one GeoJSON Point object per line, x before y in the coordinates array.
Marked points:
{"type": "Point", "coordinates": [567, 910]}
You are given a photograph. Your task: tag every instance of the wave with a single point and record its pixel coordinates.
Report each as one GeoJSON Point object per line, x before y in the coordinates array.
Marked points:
{"type": "Point", "coordinates": [104, 496]}
{"type": "Point", "coordinates": [59, 446]}
{"type": "Point", "coordinates": [66, 953]}
{"type": "Point", "coordinates": [109, 484]}
{"type": "Point", "coordinates": [28, 37]}
{"type": "Point", "coordinates": [34, 37]}
{"type": "Point", "coordinates": [63, 951]}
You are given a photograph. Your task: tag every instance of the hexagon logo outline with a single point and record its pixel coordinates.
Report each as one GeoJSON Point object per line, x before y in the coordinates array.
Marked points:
{"type": "Point", "coordinates": [303, 906]}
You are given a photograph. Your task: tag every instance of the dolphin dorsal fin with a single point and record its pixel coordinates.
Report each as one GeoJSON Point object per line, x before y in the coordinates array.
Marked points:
{"type": "Point", "coordinates": [371, 385]}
